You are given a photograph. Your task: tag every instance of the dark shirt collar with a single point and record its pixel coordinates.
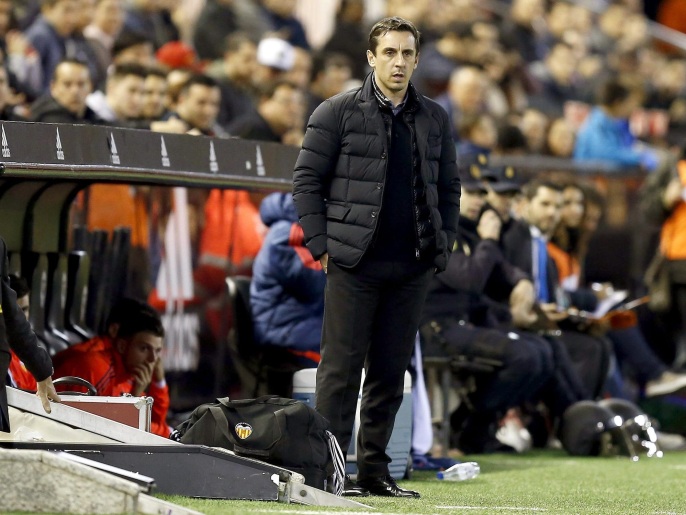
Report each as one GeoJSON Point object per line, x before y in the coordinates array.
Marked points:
{"type": "Point", "coordinates": [384, 101]}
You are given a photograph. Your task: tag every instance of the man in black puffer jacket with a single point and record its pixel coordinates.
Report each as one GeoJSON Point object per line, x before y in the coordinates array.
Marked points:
{"type": "Point", "coordinates": [378, 195]}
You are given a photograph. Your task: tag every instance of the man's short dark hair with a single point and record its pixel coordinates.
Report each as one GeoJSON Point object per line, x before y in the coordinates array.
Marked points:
{"type": "Point", "coordinates": [531, 188]}
{"type": "Point", "coordinates": [615, 90]}
{"type": "Point", "coordinates": [198, 79]}
{"type": "Point", "coordinates": [70, 60]}
{"type": "Point", "coordinates": [511, 138]}
{"type": "Point", "coordinates": [127, 39]}
{"type": "Point", "coordinates": [156, 71]}
{"type": "Point", "coordinates": [133, 316]}
{"type": "Point", "coordinates": [235, 40]}
{"type": "Point", "coordinates": [19, 285]}
{"type": "Point", "coordinates": [268, 89]}
{"type": "Point", "coordinates": [125, 69]}
{"type": "Point", "coordinates": [382, 27]}
{"type": "Point", "coordinates": [323, 60]}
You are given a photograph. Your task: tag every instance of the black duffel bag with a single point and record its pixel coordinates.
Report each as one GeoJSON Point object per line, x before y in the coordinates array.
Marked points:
{"type": "Point", "coordinates": [283, 432]}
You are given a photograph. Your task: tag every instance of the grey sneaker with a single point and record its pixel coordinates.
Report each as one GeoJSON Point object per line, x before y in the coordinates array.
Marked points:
{"type": "Point", "coordinates": [668, 382]}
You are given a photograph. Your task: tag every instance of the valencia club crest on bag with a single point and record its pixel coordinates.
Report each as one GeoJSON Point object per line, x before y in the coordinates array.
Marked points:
{"type": "Point", "coordinates": [243, 430]}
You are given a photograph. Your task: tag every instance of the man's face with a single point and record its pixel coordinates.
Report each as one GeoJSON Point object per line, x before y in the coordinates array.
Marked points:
{"type": "Point", "coordinates": [502, 203]}
{"type": "Point", "coordinates": [543, 210]}
{"type": "Point", "coordinates": [283, 110]}
{"type": "Point", "coordinates": [140, 350]}
{"type": "Point", "coordinates": [24, 305]}
{"type": "Point", "coordinates": [242, 63]}
{"type": "Point", "coordinates": [71, 86]}
{"type": "Point", "coordinates": [63, 16]}
{"type": "Point", "coordinates": [199, 106]}
{"type": "Point", "coordinates": [109, 16]}
{"type": "Point", "coordinates": [155, 95]}
{"type": "Point", "coordinates": [125, 96]}
{"type": "Point", "coordinates": [394, 61]}
{"type": "Point", "coordinates": [471, 203]}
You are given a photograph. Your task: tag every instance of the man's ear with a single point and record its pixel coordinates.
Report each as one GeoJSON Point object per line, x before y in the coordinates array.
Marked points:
{"type": "Point", "coordinates": [370, 58]}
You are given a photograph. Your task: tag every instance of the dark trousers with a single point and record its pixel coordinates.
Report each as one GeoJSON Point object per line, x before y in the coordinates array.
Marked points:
{"type": "Point", "coordinates": [371, 317]}
{"type": "Point", "coordinates": [527, 364]}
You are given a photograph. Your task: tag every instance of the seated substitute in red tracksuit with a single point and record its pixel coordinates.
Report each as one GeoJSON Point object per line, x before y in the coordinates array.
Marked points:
{"type": "Point", "coordinates": [128, 359]}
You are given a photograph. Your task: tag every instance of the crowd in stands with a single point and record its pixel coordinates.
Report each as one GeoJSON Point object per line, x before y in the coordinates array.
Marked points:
{"type": "Point", "coordinates": [582, 81]}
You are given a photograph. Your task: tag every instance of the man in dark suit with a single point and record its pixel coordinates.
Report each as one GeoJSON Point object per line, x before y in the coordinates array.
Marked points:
{"type": "Point", "coordinates": [16, 333]}
{"type": "Point", "coordinates": [525, 246]}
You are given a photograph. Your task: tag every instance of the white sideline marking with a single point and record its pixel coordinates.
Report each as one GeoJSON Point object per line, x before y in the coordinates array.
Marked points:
{"type": "Point", "coordinates": [512, 508]}
{"type": "Point", "coordinates": [306, 512]}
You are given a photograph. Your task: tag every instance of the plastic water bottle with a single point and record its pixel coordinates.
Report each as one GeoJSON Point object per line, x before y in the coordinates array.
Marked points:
{"type": "Point", "coordinates": [460, 472]}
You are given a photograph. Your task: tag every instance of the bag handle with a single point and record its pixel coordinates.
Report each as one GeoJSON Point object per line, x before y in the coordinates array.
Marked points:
{"type": "Point", "coordinates": [222, 423]}
{"type": "Point", "coordinates": [246, 402]}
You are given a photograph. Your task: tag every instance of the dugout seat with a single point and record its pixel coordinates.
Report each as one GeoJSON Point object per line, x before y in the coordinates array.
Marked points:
{"type": "Point", "coordinates": [262, 369]}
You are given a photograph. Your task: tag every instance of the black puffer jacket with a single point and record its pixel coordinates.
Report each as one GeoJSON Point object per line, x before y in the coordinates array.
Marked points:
{"type": "Point", "coordinates": [341, 172]}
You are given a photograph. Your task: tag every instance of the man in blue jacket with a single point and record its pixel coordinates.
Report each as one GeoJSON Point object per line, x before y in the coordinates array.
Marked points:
{"type": "Point", "coordinates": [287, 287]}
{"type": "Point", "coordinates": [378, 195]}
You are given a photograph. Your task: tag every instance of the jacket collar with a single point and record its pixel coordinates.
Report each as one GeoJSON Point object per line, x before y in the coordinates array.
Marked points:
{"type": "Point", "coordinates": [413, 99]}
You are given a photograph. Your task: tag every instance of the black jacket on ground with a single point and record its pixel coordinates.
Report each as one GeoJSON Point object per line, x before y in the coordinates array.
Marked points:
{"type": "Point", "coordinates": [340, 176]}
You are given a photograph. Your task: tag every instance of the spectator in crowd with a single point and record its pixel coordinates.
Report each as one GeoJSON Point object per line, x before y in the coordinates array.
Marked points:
{"type": "Point", "coordinates": [606, 135]}
{"type": "Point", "coordinates": [534, 126]}
{"type": "Point", "coordinates": [18, 336]}
{"type": "Point", "coordinates": [556, 78]}
{"type": "Point", "coordinates": [51, 35]}
{"type": "Point", "coordinates": [217, 21]}
{"type": "Point", "coordinates": [330, 73]}
{"type": "Point", "coordinates": [466, 95]}
{"type": "Point", "coordinates": [133, 47]}
{"type": "Point", "coordinates": [478, 135]}
{"type": "Point", "coordinates": [155, 95]}
{"type": "Point", "coordinates": [102, 31]}
{"type": "Point", "coordinates": [275, 57]}
{"type": "Point", "coordinates": [451, 50]}
{"type": "Point", "coordinates": [20, 60]}
{"type": "Point", "coordinates": [198, 105]}
{"type": "Point", "coordinates": [287, 288]}
{"type": "Point", "coordinates": [279, 111]}
{"type": "Point", "coordinates": [235, 81]}
{"type": "Point", "coordinates": [280, 14]}
{"type": "Point", "coordinates": [560, 138]}
{"type": "Point", "coordinates": [126, 359]}
{"type": "Point", "coordinates": [84, 50]}
{"type": "Point", "coordinates": [122, 101]}
{"type": "Point", "coordinates": [66, 102]}
{"type": "Point", "coordinates": [522, 28]}
{"type": "Point", "coordinates": [524, 246]}
{"type": "Point", "coordinates": [7, 111]}
{"type": "Point", "coordinates": [300, 73]}
{"type": "Point", "coordinates": [18, 375]}
{"type": "Point", "coordinates": [348, 37]}
{"type": "Point", "coordinates": [153, 18]}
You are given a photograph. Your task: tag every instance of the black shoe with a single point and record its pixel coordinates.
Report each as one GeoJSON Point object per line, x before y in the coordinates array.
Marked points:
{"type": "Point", "coordinates": [352, 489]}
{"type": "Point", "coordinates": [385, 487]}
